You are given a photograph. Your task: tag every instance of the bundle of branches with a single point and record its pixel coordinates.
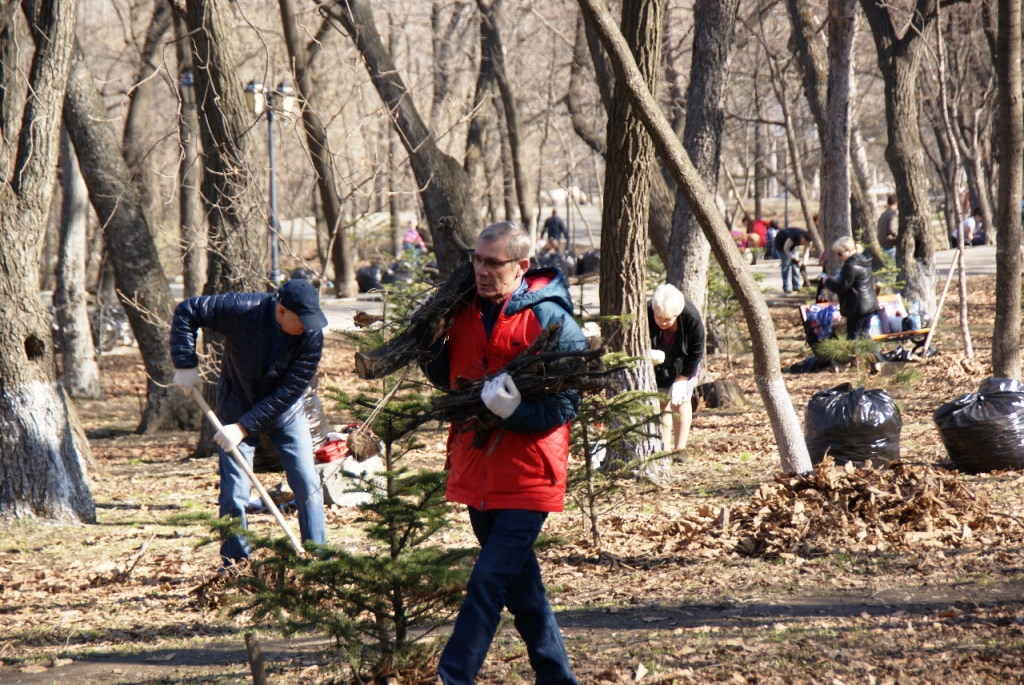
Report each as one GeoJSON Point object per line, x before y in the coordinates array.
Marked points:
{"type": "Point", "coordinates": [538, 371]}
{"type": "Point", "coordinates": [427, 323]}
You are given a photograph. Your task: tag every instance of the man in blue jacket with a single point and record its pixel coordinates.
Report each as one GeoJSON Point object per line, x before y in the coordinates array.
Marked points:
{"type": "Point", "coordinates": [272, 348]}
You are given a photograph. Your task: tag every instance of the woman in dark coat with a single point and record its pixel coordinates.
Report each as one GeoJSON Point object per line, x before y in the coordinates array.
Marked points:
{"type": "Point", "coordinates": [855, 287]}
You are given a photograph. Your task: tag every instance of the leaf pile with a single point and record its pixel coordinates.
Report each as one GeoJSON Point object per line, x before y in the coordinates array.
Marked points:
{"type": "Point", "coordinates": [900, 506]}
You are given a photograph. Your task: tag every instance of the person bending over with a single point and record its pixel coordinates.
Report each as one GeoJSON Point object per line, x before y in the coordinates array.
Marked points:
{"type": "Point", "coordinates": [677, 348]}
{"type": "Point", "coordinates": [272, 348]}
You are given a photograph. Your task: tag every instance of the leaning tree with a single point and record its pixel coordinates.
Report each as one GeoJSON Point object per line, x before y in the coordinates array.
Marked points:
{"type": "Point", "coordinates": [41, 469]}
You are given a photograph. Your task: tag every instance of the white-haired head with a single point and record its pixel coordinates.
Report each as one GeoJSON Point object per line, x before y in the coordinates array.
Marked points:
{"type": "Point", "coordinates": [667, 302]}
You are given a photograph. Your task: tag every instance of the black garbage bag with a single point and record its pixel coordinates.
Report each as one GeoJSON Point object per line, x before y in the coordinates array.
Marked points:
{"type": "Point", "coordinates": [589, 263]}
{"type": "Point", "coordinates": [852, 424]}
{"type": "Point", "coordinates": [813, 364]}
{"type": "Point", "coordinates": [265, 457]}
{"type": "Point", "coordinates": [984, 431]}
{"type": "Point", "coordinates": [368, 278]}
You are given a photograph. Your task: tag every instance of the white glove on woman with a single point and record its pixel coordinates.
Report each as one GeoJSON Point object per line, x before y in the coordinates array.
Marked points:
{"type": "Point", "coordinates": [229, 436]}
{"type": "Point", "coordinates": [657, 357]}
{"type": "Point", "coordinates": [187, 379]}
{"type": "Point", "coordinates": [501, 395]}
{"type": "Point", "coordinates": [677, 392]}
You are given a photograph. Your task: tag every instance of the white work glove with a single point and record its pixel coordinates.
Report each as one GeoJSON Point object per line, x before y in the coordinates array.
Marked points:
{"type": "Point", "coordinates": [657, 357]}
{"type": "Point", "coordinates": [592, 332]}
{"type": "Point", "coordinates": [677, 392]}
{"type": "Point", "coordinates": [188, 379]}
{"type": "Point", "coordinates": [501, 395]}
{"type": "Point", "coordinates": [229, 436]}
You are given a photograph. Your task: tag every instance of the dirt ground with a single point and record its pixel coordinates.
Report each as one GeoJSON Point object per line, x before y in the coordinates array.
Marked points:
{"type": "Point", "coordinates": [116, 602]}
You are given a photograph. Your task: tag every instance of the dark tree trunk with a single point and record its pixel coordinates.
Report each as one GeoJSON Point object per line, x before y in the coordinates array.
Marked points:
{"type": "Point", "coordinates": [1006, 332]}
{"type": "Point", "coordinates": [489, 23]}
{"type": "Point", "coordinates": [42, 472]}
{"type": "Point", "coordinates": [444, 186]}
{"type": "Point", "coordinates": [141, 285]}
{"type": "Point", "coordinates": [302, 59]}
{"type": "Point", "coordinates": [81, 372]}
{"type": "Point", "coordinates": [834, 216]}
{"type": "Point", "coordinates": [482, 117]}
{"type": "Point", "coordinates": [508, 179]}
{"type": "Point", "coordinates": [137, 122]}
{"type": "Point", "coordinates": [767, 371]}
{"type": "Point", "coordinates": [713, 31]}
{"type": "Point", "coordinates": [899, 60]}
{"type": "Point", "coordinates": [192, 227]}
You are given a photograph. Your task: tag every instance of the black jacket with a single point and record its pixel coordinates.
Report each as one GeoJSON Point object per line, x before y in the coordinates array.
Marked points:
{"type": "Point", "coordinates": [855, 287]}
{"type": "Point", "coordinates": [254, 390]}
{"type": "Point", "coordinates": [683, 356]}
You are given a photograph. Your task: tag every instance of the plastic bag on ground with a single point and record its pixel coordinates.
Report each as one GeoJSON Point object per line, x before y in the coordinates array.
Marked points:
{"type": "Point", "coordinates": [852, 424]}
{"type": "Point", "coordinates": [984, 431]}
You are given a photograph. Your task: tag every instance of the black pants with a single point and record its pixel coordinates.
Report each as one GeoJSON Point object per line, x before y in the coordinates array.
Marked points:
{"type": "Point", "coordinates": [858, 326]}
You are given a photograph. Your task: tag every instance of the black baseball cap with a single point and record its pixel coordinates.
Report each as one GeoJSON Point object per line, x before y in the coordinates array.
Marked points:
{"type": "Point", "coordinates": [299, 296]}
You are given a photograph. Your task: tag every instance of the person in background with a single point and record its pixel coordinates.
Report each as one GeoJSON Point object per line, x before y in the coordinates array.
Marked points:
{"type": "Point", "coordinates": [511, 476]}
{"type": "Point", "coordinates": [889, 228]}
{"type": "Point", "coordinates": [769, 236]}
{"type": "Point", "coordinates": [970, 226]}
{"type": "Point", "coordinates": [787, 242]}
{"type": "Point", "coordinates": [272, 348]}
{"type": "Point", "coordinates": [855, 288]}
{"type": "Point", "coordinates": [677, 349]}
{"type": "Point", "coordinates": [555, 230]}
{"type": "Point", "coordinates": [412, 240]}
{"type": "Point", "coordinates": [757, 233]}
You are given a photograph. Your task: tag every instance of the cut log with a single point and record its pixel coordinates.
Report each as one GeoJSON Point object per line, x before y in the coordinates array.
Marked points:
{"type": "Point", "coordinates": [720, 394]}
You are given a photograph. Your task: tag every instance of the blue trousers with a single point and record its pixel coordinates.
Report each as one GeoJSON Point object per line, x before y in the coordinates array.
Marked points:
{"type": "Point", "coordinates": [295, 446]}
{"type": "Point", "coordinates": [506, 574]}
{"type": "Point", "coordinates": [789, 266]}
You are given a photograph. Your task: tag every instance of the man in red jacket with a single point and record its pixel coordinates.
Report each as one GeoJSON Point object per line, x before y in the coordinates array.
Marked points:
{"type": "Point", "coordinates": [512, 478]}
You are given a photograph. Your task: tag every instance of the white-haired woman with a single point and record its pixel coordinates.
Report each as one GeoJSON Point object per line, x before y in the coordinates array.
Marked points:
{"type": "Point", "coordinates": [855, 287]}
{"type": "Point", "coordinates": [677, 349]}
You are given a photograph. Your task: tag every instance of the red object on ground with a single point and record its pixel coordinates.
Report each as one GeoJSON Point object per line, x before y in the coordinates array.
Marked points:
{"type": "Point", "coordinates": [333, 450]}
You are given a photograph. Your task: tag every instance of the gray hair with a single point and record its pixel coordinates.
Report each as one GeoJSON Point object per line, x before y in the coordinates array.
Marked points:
{"type": "Point", "coordinates": [518, 243]}
{"type": "Point", "coordinates": [667, 301]}
{"type": "Point", "coordinates": [844, 244]}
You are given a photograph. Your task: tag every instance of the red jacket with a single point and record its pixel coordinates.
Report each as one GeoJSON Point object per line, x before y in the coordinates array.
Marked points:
{"type": "Point", "coordinates": [528, 464]}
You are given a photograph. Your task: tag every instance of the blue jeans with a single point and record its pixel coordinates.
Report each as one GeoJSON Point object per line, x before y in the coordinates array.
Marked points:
{"type": "Point", "coordinates": [295, 445]}
{"type": "Point", "coordinates": [506, 574]}
{"type": "Point", "coordinates": [789, 266]}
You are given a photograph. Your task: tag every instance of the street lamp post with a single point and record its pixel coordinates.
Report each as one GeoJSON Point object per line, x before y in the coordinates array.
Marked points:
{"type": "Point", "coordinates": [262, 100]}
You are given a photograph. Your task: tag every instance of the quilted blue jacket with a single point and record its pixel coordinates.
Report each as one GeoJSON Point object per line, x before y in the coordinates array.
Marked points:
{"type": "Point", "coordinates": [253, 392]}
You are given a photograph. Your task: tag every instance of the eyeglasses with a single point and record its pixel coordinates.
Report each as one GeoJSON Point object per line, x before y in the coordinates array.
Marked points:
{"type": "Point", "coordinates": [489, 263]}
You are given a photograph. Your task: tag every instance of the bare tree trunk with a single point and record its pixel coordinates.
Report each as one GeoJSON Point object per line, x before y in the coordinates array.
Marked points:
{"type": "Point", "coordinates": [767, 371]}
{"type": "Point", "coordinates": [137, 122]}
{"type": "Point", "coordinates": [303, 59]}
{"type": "Point", "coordinates": [759, 153]}
{"type": "Point", "coordinates": [81, 372]}
{"type": "Point", "coordinates": [899, 59]}
{"type": "Point", "coordinates": [508, 180]}
{"type": "Point", "coordinates": [835, 145]}
{"type": "Point", "coordinates": [947, 128]}
{"type": "Point", "coordinates": [489, 22]}
{"type": "Point", "coordinates": [713, 30]}
{"type": "Point", "coordinates": [624, 218]}
{"type": "Point", "coordinates": [42, 473]}
{"type": "Point", "coordinates": [443, 46]}
{"type": "Point", "coordinates": [141, 285]}
{"type": "Point", "coordinates": [481, 119]}
{"type": "Point", "coordinates": [1006, 332]}
{"type": "Point", "coordinates": [445, 189]}
{"type": "Point", "coordinates": [193, 238]}
{"type": "Point", "coordinates": [12, 83]}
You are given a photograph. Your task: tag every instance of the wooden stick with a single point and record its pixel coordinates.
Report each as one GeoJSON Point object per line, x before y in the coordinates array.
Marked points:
{"type": "Point", "coordinates": [942, 300]}
{"type": "Point", "coordinates": [244, 465]}
{"type": "Point", "coordinates": [255, 654]}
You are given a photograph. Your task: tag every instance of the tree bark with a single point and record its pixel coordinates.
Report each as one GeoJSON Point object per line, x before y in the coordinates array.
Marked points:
{"type": "Point", "coordinates": [899, 60]}
{"type": "Point", "coordinates": [481, 117]}
{"type": "Point", "coordinates": [835, 144]}
{"type": "Point", "coordinates": [81, 372]}
{"type": "Point", "coordinates": [689, 250]}
{"type": "Point", "coordinates": [192, 233]}
{"type": "Point", "coordinates": [508, 179]}
{"type": "Point", "coordinates": [302, 60]}
{"type": "Point", "coordinates": [1006, 331]}
{"type": "Point", "coordinates": [141, 285]}
{"type": "Point", "coordinates": [42, 473]}
{"type": "Point", "coordinates": [489, 23]}
{"type": "Point", "coordinates": [444, 186]}
{"type": "Point", "coordinates": [813, 61]}
{"type": "Point", "coordinates": [137, 122]}
{"type": "Point", "coordinates": [12, 82]}
{"type": "Point", "coordinates": [767, 371]}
